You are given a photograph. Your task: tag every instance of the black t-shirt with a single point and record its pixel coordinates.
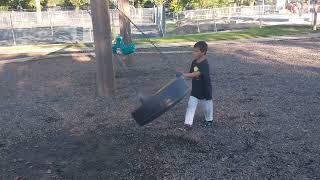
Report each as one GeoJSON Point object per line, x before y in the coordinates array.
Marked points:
{"type": "Point", "coordinates": [201, 86]}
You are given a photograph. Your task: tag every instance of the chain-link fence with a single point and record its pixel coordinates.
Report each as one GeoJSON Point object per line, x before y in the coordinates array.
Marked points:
{"type": "Point", "coordinates": [17, 28]}
{"type": "Point", "coordinates": [232, 18]}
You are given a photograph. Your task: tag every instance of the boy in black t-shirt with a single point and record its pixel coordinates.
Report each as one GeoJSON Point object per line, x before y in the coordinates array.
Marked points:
{"type": "Point", "coordinates": [201, 85]}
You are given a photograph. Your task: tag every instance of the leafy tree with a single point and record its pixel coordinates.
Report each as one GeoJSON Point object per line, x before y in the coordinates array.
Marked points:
{"type": "Point", "coordinates": [79, 3]}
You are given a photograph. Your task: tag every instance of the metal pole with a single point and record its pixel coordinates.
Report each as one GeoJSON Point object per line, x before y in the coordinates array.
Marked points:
{"type": "Point", "coordinates": [229, 12]}
{"type": "Point", "coordinates": [263, 8]}
{"type": "Point", "coordinates": [51, 26]}
{"type": "Point", "coordinates": [103, 47]}
{"type": "Point", "coordinates": [160, 21]}
{"type": "Point", "coordinates": [198, 26]}
{"type": "Point", "coordinates": [91, 34]}
{"type": "Point", "coordinates": [260, 20]}
{"type": "Point", "coordinates": [154, 14]}
{"type": "Point", "coordinates": [214, 20]}
{"type": "Point", "coordinates": [163, 19]}
{"type": "Point", "coordinates": [12, 31]}
{"type": "Point", "coordinates": [315, 14]}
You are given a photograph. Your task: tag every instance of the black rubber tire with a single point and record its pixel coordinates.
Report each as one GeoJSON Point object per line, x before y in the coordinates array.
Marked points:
{"type": "Point", "coordinates": [154, 106]}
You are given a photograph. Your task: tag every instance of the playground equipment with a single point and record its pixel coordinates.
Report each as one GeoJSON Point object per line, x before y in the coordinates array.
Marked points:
{"type": "Point", "coordinates": [163, 100]}
{"type": "Point", "coordinates": [126, 49]}
{"type": "Point", "coordinates": [155, 105]}
{"type": "Point", "coordinates": [119, 49]}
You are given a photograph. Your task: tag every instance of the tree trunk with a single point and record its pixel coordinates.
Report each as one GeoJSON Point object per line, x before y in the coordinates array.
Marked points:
{"type": "Point", "coordinates": [125, 28]}
{"type": "Point", "coordinates": [103, 47]}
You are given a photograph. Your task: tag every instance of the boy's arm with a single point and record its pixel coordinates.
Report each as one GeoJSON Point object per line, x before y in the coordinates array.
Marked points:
{"type": "Point", "coordinates": [192, 75]}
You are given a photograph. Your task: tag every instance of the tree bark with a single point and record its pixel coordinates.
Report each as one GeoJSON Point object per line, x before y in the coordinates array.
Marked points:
{"type": "Point", "coordinates": [103, 47]}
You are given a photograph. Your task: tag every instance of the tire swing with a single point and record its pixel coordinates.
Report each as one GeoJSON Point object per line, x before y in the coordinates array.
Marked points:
{"type": "Point", "coordinates": [165, 98]}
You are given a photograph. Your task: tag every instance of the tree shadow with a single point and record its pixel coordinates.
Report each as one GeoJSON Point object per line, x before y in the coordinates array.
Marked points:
{"type": "Point", "coordinates": [308, 43]}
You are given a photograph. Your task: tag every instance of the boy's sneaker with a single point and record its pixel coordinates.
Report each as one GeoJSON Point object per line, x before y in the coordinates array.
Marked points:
{"type": "Point", "coordinates": [208, 123]}
{"type": "Point", "coordinates": [186, 127]}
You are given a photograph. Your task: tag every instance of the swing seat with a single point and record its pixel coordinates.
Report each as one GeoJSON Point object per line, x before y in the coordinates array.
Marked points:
{"type": "Point", "coordinates": [125, 48]}
{"type": "Point", "coordinates": [128, 49]}
{"type": "Point", "coordinates": [154, 106]}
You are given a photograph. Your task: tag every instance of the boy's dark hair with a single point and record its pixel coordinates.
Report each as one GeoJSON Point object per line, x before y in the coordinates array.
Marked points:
{"type": "Point", "coordinates": [202, 45]}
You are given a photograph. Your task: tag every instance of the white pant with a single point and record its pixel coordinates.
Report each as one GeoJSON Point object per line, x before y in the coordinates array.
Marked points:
{"type": "Point", "coordinates": [207, 106]}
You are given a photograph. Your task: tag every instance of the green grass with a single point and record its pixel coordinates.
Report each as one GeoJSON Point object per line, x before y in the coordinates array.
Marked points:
{"type": "Point", "coordinates": [231, 35]}
{"type": "Point", "coordinates": [234, 35]}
